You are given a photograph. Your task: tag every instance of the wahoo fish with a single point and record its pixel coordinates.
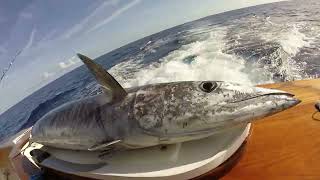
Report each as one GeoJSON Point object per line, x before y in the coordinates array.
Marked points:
{"type": "Point", "coordinates": [154, 114]}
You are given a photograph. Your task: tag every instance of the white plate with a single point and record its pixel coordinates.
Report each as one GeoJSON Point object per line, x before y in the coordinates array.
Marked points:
{"type": "Point", "coordinates": [184, 161]}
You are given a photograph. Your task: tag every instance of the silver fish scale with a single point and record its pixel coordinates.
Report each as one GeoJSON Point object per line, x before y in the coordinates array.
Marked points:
{"type": "Point", "coordinates": [168, 108]}
{"type": "Point", "coordinates": [157, 114]}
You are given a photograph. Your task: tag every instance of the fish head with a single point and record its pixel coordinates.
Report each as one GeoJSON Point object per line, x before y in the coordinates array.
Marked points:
{"type": "Point", "coordinates": [241, 103]}
{"type": "Point", "coordinates": [197, 105]}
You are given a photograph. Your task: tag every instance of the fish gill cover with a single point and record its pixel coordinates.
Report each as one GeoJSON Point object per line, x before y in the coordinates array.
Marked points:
{"type": "Point", "coordinates": [267, 43]}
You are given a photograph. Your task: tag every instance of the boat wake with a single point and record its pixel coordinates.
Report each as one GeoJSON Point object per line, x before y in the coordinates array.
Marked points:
{"type": "Point", "coordinates": [211, 53]}
{"type": "Point", "coordinates": [199, 60]}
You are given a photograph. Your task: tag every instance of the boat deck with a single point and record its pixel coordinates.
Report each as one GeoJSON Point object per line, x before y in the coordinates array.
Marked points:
{"type": "Point", "coordinates": [285, 145]}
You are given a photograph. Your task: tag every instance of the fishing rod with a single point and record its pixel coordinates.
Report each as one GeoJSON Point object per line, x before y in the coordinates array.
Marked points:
{"type": "Point", "coordinates": [10, 65]}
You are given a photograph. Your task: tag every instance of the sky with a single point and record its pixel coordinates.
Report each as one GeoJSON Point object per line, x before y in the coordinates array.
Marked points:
{"type": "Point", "coordinates": [49, 33]}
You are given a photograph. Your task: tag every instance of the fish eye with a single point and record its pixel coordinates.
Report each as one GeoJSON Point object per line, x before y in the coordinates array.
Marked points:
{"type": "Point", "coordinates": [208, 86]}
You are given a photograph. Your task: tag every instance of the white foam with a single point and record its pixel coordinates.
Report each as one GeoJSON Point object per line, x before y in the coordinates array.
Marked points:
{"type": "Point", "coordinates": [205, 60]}
{"type": "Point", "coordinates": [292, 40]}
{"type": "Point", "coordinates": [209, 63]}
{"type": "Point", "coordinates": [269, 21]}
{"type": "Point", "coordinates": [289, 36]}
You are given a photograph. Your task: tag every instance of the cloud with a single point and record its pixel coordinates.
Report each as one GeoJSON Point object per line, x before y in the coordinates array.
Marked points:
{"type": "Point", "coordinates": [101, 9]}
{"type": "Point", "coordinates": [114, 15]}
{"type": "Point", "coordinates": [47, 75]}
{"type": "Point", "coordinates": [79, 27]}
{"type": "Point", "coordinates": [70, 62]}
{"type": "Point", "coordinates": [26, 15]}
{"type": "Point", "coordinates": [31, 39]}
{"type": "Point", "coordinates": [49, 35]}
{"type": "Point", "coordinates": [63, 65]}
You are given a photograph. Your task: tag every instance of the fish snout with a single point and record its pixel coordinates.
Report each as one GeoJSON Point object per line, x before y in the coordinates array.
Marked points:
{"type": "Point", "coordinates": [269, 103]}
{"type": "Point", "coordinates": [285, 99]}
{"type": "Point", "coordinates": [282, 98]}
{"type": "Point", "coordinates": [273, 100]}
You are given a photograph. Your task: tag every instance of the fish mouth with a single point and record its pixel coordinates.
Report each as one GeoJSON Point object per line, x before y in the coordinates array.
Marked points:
{"type": "Point", "coordinates": [288, 96]}
{"type": "Point", "coordinates": [280, 93]}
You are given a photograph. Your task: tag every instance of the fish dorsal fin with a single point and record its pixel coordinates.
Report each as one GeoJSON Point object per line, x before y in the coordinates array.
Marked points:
{"type": "Point", "coordinates": [108, 83]}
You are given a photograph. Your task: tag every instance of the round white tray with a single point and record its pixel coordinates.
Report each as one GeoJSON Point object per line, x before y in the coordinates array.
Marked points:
{"type": "Point", "coordinates": [181, 161]}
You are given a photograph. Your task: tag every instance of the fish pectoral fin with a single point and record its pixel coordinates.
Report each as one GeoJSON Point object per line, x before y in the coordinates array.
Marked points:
{"type": "Point", "coordinates": [103, 146]}
{"type": "Point", "coordinates": [107, 82]}
{"type": "Point", "coordinates": [175, 155]}
{"type": "Point", "coordinates": [106, 153]}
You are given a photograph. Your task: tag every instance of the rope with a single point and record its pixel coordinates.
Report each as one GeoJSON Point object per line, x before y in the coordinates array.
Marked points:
{"type": "Point", "coordinates": [315, 118]}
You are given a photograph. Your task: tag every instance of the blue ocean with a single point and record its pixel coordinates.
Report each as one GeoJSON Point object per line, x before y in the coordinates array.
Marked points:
{"type": "Point", "coordinates": [261, 44]}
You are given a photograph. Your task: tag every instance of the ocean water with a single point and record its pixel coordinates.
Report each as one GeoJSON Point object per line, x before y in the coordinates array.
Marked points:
{"type": "Point", "coordinates": [262, 44]}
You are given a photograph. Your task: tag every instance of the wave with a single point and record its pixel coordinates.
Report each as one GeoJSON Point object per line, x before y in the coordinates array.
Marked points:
{"type": "Point", "coordinates": [205, 56]}
{"type": "Point", "coordinates": [271, 49]}
{"type": "Point", "coordinates": [199, 60]}
{"type": "Point", "coordinates": [289, 36]}
{"type": "Point", "coordinates": [280, 65]}
{"type": "Point", "coordinates": [269, 21]}
{"type": "Point", "coordinates": [293, 40]}
{"type": "Point", "coordinates": [45, 107]}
